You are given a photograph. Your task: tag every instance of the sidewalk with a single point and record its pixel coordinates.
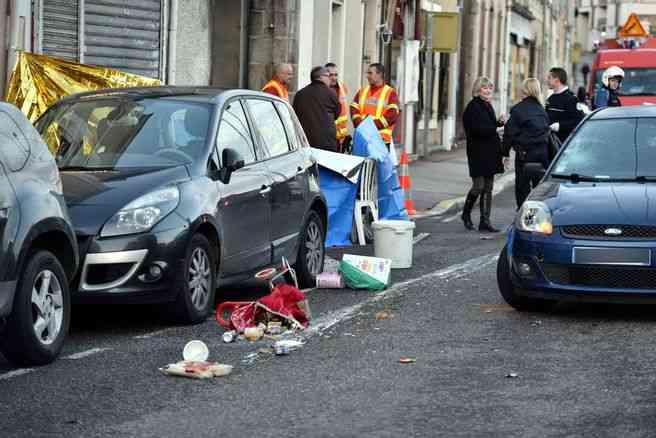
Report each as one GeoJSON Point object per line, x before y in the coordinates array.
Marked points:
{"type": "Point", "coordinates": [440, 182]}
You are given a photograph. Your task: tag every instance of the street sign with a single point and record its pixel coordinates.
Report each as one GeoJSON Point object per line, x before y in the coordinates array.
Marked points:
{"type": "Point", "coordinates": [445, 31]}
{"type": "Point", "coordinates": [632, 28]}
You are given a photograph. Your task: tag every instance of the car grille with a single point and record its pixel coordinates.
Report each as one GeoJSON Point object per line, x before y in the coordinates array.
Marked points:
{"type": "Point", "coordinates": [635, 232]}
{"type": "Point", "coordinates": [612, 277]}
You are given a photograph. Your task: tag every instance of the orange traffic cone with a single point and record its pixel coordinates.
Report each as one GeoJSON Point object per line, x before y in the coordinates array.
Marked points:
{"type": "Point", "coordinates": [404, 180]}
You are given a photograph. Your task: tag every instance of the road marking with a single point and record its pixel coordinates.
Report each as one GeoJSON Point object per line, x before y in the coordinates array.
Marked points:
{"type": "Point", "coordinates": [151, 334]}
{"type": "Point", "coordinates": [333, 318]}
{"type": "Point", "coordinates": [16, 373]}
{"type": "Point", "coordinates": [420, 237]}
{"type": "Point", "coordinates": [86, 353]}
{"type": "Point", "coordinates": [451, 218]}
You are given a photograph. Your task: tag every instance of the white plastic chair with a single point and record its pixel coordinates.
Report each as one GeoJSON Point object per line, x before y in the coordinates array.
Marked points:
{"type": "Point", "coordinates": [368, 197]}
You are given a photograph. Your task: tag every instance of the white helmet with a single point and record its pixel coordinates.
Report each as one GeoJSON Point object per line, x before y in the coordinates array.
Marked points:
{"type": "Point", "coordinates": [612, 72]}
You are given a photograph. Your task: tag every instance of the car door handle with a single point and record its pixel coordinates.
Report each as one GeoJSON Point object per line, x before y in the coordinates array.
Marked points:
{"type": "Point", "coordinates": [265, 190]}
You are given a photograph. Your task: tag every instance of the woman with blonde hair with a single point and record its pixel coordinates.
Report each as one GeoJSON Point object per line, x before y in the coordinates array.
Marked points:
{"type": "Point", "coordinates": [483, 152]}
{"type": "Point", "coordinates": [527, 132]}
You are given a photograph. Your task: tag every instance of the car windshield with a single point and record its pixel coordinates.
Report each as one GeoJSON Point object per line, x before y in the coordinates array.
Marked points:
{"type": "Point", "coordinates": [637, 82]}
{"type": "Point", "coordinates": [611, 149]}
{"type": "Point", "coordinates": [110, 133]}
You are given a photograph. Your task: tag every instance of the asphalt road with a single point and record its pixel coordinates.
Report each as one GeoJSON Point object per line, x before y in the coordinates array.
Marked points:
{"type": "Point", "coordinates": [580, 371]}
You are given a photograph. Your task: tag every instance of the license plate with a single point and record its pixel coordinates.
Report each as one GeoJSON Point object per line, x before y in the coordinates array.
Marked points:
{"type": "Point", "coordinates": [611, 256]}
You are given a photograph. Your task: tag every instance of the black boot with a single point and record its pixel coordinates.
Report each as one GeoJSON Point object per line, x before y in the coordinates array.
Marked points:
{"type": "Point", "coordinates": [467, 209]}
{"type": "Point", "coordinates": [486, 208]}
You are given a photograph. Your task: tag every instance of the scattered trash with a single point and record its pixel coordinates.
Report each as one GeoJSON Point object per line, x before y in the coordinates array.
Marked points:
{"type": "Point", "coordinates": [362, 272]}
{"type": "Point", "coordinates": [349, 334]}
{"type": "Point", "coordinates": [536, 323]}
{"type": "Point", "coordinates": [265, 350]}
{"type": "Point", "coordinates": [253, 333]}
{"type": "Point", "coordinates": [195, 351]}
{"type": "Point", "coordinates": [487, 237]}
{"type": "Point", "coordinates": [274, 327]}
{"type": "Point", "coordinates": [384, 315]}
{"type": "Point", "coordinates": [291, 344]}
{"type": "Point", "coordinates": [408, 360]}
{"type": "Point", "coordinates": [281, 349]}
{"type": "Point", "coordinates": [229, 336]}
{"type": "Point", "coordinates": [197, 369]}
{"type": "Point", "coordinates": [512, 375]}
{"type": "Point", "coordinates": [330, 280]}
{"type": "Point", "coordinates": [250, 358]}
{"type": "Point", "coordinates": [266, 274]}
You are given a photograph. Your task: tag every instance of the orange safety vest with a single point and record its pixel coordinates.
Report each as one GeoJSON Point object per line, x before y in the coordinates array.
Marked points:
{"type": "Point", "coordinates": [341, 123]}
{"type": "Point", "coordinates": [281, 89]}
{"type": "Point", "coordinates": [374, 105]}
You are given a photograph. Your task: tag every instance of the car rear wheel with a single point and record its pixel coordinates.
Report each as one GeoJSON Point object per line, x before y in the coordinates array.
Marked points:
{"type": "Point", "coordinates": [196, 283]}
{"type": "Point", "coordinates": [311, 251]}
{"type": "Point", "coordinates": [509, 292]}
{"type": "Point", "coordinates": [41, 315]}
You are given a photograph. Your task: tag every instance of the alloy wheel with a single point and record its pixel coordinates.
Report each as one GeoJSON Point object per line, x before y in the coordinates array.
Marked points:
{"type": "Point", "coordinates": [314, 248]}
{"type": "Point", "coordinates": [47, 307]}
{"type": "Point", "coordinates": [200, 278]}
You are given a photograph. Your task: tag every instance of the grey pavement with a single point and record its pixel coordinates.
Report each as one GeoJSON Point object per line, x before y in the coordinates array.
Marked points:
{"type": "Point", "coordinates": [442, 178]}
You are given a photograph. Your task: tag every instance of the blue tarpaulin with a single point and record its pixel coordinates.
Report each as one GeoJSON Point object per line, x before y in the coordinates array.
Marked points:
{"type": "Point", "coordinates": [340, 196]}
{"type": "Point", "coordinates": [367, 143]}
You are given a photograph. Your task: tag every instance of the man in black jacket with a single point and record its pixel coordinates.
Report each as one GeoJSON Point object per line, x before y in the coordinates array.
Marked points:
{"type": "Point", "coordinates": [317, 108]}
{"type": "Point", "coordinates": [561, 105]}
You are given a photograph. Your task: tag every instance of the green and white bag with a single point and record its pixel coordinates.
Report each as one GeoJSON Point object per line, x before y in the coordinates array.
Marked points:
{"type": "Point", "coordinates": [360, 272]}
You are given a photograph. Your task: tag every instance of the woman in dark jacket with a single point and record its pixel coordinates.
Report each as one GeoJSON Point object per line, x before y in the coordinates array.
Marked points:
{"type": "Point", "coordinates": [527, 132]}
{"type": "Point", "coordinates": [483, 152]}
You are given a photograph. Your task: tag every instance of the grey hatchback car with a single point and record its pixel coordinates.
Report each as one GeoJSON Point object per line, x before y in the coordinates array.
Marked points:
{"type": "Point", "coordinates": [175, 191]}
{"type": "Point", "coordinates": [38, 252]}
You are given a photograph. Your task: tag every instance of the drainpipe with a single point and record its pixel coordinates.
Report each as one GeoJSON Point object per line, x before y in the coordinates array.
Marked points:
{"type": "Point", "coordinates": [172, 42]}
{"type": "Point", "coordinates": [3, 46]}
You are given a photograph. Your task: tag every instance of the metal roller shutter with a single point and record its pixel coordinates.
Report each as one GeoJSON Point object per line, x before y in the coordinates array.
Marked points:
{"type": "Point", "coordinates": [123, 34]}
{"type": "Point", "coordinates": [59, 31]}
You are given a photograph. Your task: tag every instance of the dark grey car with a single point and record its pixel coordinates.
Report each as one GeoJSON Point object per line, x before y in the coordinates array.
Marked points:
{"type": "Point", "coordinates": [174, 191]}
{"type": "Point", "coordinates": [38, 252]}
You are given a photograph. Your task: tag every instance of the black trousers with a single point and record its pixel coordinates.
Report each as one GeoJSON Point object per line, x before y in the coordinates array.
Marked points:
{"type": "Point", "coordinates": [481, 184]}
{"type": "Point", "coordinates": [523, 183]}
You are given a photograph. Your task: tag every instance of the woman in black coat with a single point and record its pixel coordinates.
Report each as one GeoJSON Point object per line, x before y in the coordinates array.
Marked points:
{"type": "Point", "coordinates": [483, 152]}
{"type": "Point", "coordinates": [527, 131]}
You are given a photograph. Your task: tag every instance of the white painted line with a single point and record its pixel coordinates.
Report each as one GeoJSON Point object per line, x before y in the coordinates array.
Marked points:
{"type": "Point", "coordinates": [452, 218]}
{"type": "Point", "coordinates": [420, 237]}
{"type": "Point", "coordinates": [331, 319]}
{"type": "Point", "coordinates": [86, 353]}
{"type": "Point", "coordinates": [151, 334]}
{"type": "Point", "coordinates": [16, 373]}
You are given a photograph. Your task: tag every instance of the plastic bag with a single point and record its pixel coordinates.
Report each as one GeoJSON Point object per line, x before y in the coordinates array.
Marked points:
{"type": "Point", "coordinates": [362, 272]}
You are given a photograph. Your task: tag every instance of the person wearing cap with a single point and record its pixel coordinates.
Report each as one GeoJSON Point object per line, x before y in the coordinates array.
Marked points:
{"type": "Point", "coordinates": [607, 94]}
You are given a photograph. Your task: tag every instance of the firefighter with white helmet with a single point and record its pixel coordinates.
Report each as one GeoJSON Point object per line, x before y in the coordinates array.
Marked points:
{"type": "Point", "coordinates": [607, 94]}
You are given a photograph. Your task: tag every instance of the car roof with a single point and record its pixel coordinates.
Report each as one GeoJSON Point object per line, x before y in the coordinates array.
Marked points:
{"type": "Point", "coordinates": [624, 112]}
{"type": "Point", "coordinates": [197, 94]}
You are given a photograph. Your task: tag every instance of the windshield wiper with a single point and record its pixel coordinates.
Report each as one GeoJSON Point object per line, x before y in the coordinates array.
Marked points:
{"type": "Point", "coordinates": [645, 178]}
{"type": "Point", "coordinates": [576, 177]}
{"type": "Point", "coordinates": [85, 168]}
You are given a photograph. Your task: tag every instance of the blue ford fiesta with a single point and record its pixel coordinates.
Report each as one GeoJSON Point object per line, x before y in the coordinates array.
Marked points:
{"type": "Point", "coordinates": [587, 232]}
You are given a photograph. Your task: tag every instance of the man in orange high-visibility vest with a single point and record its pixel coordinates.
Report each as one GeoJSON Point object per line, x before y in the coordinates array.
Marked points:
{"type": "Point", "coordinates": [378, 101]}
{"type": "Point", "coordinates": [341, 124]}
{"type": "Point", "coordinates": [279, 85]}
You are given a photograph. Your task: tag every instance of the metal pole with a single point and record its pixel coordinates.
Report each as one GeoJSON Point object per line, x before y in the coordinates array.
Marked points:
{"type": "Point", "coordinates": [408, 108]}
{"type": "Point", "coordinates": [428, 83]}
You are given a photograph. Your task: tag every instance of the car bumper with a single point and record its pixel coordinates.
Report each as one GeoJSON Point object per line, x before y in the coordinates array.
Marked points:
{"type": "Point", "coordinates": [124, 269]}
{"type": "Point", "coordinates": [543, 267]}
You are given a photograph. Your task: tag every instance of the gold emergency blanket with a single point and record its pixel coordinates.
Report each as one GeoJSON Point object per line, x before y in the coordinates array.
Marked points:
{"type": "Point", "coordinates": [38, 81]}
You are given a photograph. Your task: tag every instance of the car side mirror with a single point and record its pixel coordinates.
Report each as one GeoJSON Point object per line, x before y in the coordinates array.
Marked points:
{"type": "Point", "coordinates": [534, 170]}
{"type": "Point", "coordinates": [232, 161]}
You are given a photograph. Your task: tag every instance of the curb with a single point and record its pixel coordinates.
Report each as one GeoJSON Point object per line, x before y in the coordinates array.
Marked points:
{"type": "Point", "coordinates": [455, 204]}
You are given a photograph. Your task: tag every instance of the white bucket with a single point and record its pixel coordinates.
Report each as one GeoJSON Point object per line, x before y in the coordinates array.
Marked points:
{"type": "Point", "coordinates": [393, 240]}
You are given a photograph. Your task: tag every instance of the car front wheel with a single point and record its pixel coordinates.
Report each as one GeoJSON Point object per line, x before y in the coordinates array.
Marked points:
{"type": "Point", "coordinates": [196, 283]}
{"type": "Point", "coordinates": [509, 292]}
{"type": "Point", "coordinates": [40, 318]}
{"type": "Point", "coordinates": [311, 251]}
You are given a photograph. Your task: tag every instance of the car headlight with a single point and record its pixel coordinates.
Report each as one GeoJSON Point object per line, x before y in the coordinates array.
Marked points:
{"type": "Point", "coordinates": [535, 217]}
{"type": "Point", "coordinates": [143, 213]}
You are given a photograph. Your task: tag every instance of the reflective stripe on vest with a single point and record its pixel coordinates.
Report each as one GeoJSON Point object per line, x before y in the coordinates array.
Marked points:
{"type": "Point", "coordinates": [341, 123]}
{"type": "Point", "coordinates": [280, 91]}
{"type": "Point", "coordinates": [375, 105]}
